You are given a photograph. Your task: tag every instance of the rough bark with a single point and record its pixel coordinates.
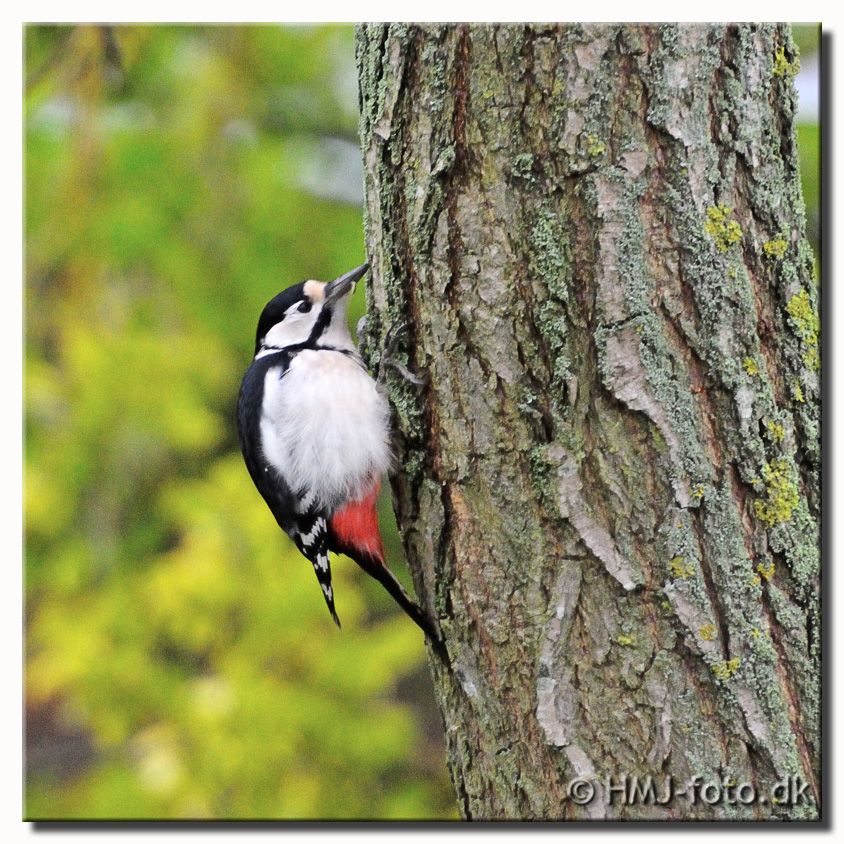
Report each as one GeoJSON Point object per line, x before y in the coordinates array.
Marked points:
{"type": "Point", "coordinates": [609, 487]}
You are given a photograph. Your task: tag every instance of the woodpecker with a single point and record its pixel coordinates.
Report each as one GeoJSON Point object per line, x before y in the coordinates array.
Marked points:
{"type": "Point", "coordinates": [314, 429]}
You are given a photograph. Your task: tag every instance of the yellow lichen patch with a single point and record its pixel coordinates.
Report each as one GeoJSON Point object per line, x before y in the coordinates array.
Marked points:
{"type": "Point", "coordinates": [767, 572]}
{"type": "Point", "coordinates": [812, 358]}
{"type": "Point", "coordinates": [723, 230]}
{"type": "Point", "coordinates": [750, 367]}
{"type": "Point", "coordinates": [725, 670]}
{"type": "Point", "coordinates": [595, 147]}
{"type": "Point", "coordinates": [805, 320]}
{"type": "Point", "coordinates": [679, 568]}
{"type": "Point", "coordinates": [775, 248]}
{"type": "Point", "coordinates": [624, 640]}
{"type": "Point", "coordinates": [776, 430]}
{"type": "Point", "coordinates": [756, 632]}
{"type": "Point", "coordinates": [781, 493]}
{"type": "Point", "coordinates": [797, 393]}
{"type": "Point", "coordinates": [707, 632]}
{"type": "Point", "coordinates": [754, 580]}
{"type": "Point", "coordinates": [800, 309]}
{"type": "Point", "coordinates": [783, 67]}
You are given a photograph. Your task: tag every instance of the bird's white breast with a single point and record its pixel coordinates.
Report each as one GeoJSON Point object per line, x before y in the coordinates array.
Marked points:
{"type": "Point", "coordinates": [325, 427]}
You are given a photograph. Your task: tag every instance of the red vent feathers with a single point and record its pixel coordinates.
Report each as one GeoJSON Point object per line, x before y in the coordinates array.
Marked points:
{"type": "Point", "coordinates": [356, 526]}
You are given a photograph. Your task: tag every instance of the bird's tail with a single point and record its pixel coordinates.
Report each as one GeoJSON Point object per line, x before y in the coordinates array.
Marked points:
{"type": "Point", "coordinates": [354, 531]}
{"type": "Point", "coordinates": [322, 567]}
{"type": "Point", "coordinates": [387, 579]}
{"type": "Point", "coordinates": [313, 543]}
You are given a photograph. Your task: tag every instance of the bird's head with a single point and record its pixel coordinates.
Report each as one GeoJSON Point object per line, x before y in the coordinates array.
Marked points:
{"type": "Point", "coordinates": [311, 313]}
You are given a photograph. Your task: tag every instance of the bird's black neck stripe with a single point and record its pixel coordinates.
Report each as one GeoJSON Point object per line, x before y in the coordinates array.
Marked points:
{"type": "Point", "coordinates": [295, 348]}
{"type": "Point", "coordinates": [323, 320]}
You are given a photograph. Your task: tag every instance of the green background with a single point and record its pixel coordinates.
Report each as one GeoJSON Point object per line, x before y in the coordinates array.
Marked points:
{"type": "Point", "coordinates": [180, 662]}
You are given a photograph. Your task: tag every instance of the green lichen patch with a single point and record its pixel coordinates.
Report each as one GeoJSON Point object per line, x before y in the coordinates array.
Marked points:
{"type": "Point", "coordinates": [781, 491]}
{"type": "Point", "coordinates": [750, 367]}
{"type": "Point", "coordinates": [775, 248]}
{"type": "Point", "coordinates": [783, 68]}
{"type": "Point", "coordinates": [624, 640]}
{"type": "Point", "coordinates": [719, 225]}
{"type": "Point", "coordinates": [549, 254]}
{"type": "Point", "coordinates": [549, 259]}
{"type": "Point", "coordinates": [796, 541]}
{"type": "Point", "coordinates": [725, 670]}
{"type": "Point", "coordinates": [522, 167]}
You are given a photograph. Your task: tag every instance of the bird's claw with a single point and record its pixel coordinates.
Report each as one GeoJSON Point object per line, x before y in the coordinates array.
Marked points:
{"type": "Point", "coordinates": [391, 343]}
{"type": "Point", "coordinates": [405, 373]}
{"type": "Point", "coordinates": [394, 334]}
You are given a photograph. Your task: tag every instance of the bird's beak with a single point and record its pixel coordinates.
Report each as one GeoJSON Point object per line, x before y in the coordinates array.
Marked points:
{"type": "Point", "coordinates": [334, 290]}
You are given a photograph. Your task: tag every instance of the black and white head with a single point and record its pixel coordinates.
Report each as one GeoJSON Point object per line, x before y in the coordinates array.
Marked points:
{"type": "Point", "coordinates": [309, 314]}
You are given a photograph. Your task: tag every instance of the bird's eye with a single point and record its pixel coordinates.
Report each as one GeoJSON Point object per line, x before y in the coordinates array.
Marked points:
{"type": "Point", "coordinates": [305, 306]}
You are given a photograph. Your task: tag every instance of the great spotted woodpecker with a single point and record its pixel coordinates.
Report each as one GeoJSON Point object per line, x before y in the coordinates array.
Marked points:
{"type": "Point", "coordinates": [314, 429]}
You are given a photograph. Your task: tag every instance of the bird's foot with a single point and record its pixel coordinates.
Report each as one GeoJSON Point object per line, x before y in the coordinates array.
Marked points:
{"type": "Point", "coordinates": [391, 344]}
{"type": "Point", "coordinates": [362, 333]}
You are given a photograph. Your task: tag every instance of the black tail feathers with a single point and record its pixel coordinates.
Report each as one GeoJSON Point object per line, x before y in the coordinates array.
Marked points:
{"type": "Point", "coordinates": [388, 580]}
{"type": "Point", "coordinates": [313, 543]}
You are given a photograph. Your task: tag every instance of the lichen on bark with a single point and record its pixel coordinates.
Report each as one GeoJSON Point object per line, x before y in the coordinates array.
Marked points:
{"type": "Point", "coordinates": [589, 489]}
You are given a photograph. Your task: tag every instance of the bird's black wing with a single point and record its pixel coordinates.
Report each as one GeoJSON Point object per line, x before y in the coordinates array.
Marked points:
{"type": "Point", "coordinates": [308, 530]}
{"type": "Point", "coordinates": [279, 497]}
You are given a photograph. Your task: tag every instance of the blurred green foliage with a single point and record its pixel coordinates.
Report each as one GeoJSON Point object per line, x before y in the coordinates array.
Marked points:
{"type": "Point", "coordinates": [809, 148]}
{"type": "Point", "coordinates": [807, 37]}
{"type": "Point", "coordinates": [180, 659]}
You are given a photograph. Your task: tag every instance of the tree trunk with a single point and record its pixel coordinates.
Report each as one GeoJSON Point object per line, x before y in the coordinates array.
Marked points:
{"type": "Point", "coordinates": [608, 489]}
